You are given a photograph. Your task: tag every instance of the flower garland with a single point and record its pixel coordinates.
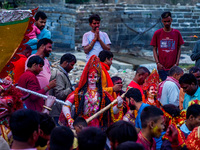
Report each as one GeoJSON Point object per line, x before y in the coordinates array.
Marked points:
{"type": "Point", "coordinates": [120, 114]}
{"type": "Point", "coordinates": [175, 121]}
{"type": "Point", "coordinates": [76, 101]}
{"type": "Point", "coordinates": [181, 137]}
{"type": "Point", "coordinates": [103, 103]}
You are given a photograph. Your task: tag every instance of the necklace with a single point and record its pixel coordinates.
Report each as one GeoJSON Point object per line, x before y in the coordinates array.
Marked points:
{"type": "Point", "coordinates": [92, 93]}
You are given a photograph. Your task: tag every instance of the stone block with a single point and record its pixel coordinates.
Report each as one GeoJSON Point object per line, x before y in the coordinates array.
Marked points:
{"type": "Point", "coordinates": [193, 25]}
{"type": "Point", "coordinates": [62, 47]}
{"type": "Point", "coordinates": [67, 30]}
{"type": "Point", "coordinates": [188, 16]}
{"type": "Point", "coordinates": [184, 24]}
{"type": "Point", "coordinates": [54, 32]}
{"type": "Point", "coordinates": [195, 17]}
{"type": "Point", "coordinates": [175, 25]}
{"type": "Point", "coordinates": [122, 37]}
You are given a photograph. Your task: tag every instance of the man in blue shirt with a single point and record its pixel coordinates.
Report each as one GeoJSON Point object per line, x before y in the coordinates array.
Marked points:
{"type": "Point", "coordinates": [190, 86]}
{"type": "Point", "coordinates": [134, 98]}
{"type": "Point", "coordinates": [192, 119]}
{"type": "Point", "coordinates": [40, 22]}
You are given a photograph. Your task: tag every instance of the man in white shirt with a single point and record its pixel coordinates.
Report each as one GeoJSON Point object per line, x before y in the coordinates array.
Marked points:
{"type": "Point", "coordinates": [95, 41]}
{"type": "Point", "coordinates": [168, 92]}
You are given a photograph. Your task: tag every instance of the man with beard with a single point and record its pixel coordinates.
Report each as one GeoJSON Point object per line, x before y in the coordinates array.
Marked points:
{"type": "Point", "coordinates": [40, 23]}
{"type": "Point", "coordinates": [95, 41]}
{"type": "Point", "coordinates": [166, 44]}
{"type": "Point", "coordinates": [190, 86]}
{"type": "Point", "coordinates": [63, 85]}
{"type": "Point", "coordinates": [134, 98]}
{"type": "Point", "coordinates": [44, 48]}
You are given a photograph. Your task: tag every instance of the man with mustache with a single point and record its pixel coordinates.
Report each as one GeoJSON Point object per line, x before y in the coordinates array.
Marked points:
{"type": "Point", "coordinates": [95, 41]}
{"type": "Point", "coordinates": [134, 98]}
{"type": "Point", "coordinates": [166, 44]}
{"type": "Point", "coordinates": [40, 23]}
{"type": "Point", "coordinates": [44, 48]}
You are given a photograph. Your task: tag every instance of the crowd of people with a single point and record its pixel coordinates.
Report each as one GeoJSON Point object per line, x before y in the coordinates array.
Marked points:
{"type": "Point", "coordinates": [160, 110]}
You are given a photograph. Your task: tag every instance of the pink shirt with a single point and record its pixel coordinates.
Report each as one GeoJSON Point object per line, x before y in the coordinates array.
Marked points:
{"type": "Point", "coordinates": [44, 76]}
{"type": "Point", "coordinates": [34, 32]}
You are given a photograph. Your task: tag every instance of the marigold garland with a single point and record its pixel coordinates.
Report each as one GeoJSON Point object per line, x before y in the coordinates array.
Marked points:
{"type": "Point", "coordinates": [120, 114]}
{"type": "Point", "coordinates": [175, 121]}
{"type": "Point", "coordinates": [103, 103]}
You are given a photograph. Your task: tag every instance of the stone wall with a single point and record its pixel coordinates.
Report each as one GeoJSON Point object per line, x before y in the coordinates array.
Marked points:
{"type": "Point", "coordinates": [130, 27]}
{"type": "Point", "coordinates": [61, 22]}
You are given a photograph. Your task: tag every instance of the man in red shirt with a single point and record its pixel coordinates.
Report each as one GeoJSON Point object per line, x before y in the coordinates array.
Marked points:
{"type": "Point", "coordinates": [166, 44]}
{"type": "Point", "coordinates": [29, 81]}
{"type": "Point", "coordinates": [19, 65]}
{"type": "Point", "coordinates": [141, 74]}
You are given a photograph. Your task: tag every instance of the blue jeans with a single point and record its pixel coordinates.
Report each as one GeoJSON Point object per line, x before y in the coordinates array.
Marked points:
{"type": "Point", "coordinates": [163, 74]}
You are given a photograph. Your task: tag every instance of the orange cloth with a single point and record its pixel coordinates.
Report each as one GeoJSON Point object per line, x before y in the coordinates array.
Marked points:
{"type": "Point", "coordinates": [19, 67]}
{"type": "Point", "coordinates": [107, 83]}
{"type": "Point", "coordinates": [181, 98]}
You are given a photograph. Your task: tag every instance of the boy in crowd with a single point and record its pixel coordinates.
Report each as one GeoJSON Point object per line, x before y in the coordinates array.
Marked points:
{"type": "Point", "coordinates": [61, 138]}
{"type": "Point", "coordinates": [121, 131]}
{"type": "Point", "coordinates": [152, 126]}
{"type": "Point", "coordinates": [25, 127]}
{"type": "Point", "coordinates": [192, 119]}
{"type": "Point", "coordinates": [91, 138]}
{"type": "Point", "coordinates": [28, 80]}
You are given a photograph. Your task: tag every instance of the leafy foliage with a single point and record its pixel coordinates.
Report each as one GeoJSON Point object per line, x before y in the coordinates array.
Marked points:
{"type": "Point", "coordinates": [10, 4]}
